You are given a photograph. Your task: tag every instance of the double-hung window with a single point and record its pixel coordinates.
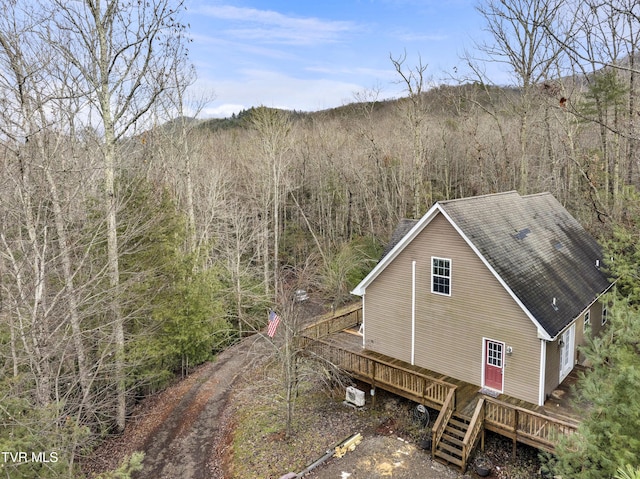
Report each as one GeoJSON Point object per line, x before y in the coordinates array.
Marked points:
{"type": "Point", "coordinates": [441, 276]}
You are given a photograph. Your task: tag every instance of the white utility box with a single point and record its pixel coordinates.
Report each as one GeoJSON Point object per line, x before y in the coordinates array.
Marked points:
{"type": "Point", "coordinates": [355, 396]}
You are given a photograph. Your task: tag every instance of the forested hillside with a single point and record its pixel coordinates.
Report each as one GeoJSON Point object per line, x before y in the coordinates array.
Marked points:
{"type": "Point", "coordinates": [136, 242]}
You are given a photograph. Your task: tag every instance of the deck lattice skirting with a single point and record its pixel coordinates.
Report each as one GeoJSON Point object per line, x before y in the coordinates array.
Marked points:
{"type": "Point", "coordinates": [454, 434]}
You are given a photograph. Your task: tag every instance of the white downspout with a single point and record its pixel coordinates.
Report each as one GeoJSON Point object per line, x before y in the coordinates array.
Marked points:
{"type": "Point", "coordinates": [364, 329]}
{"type": "Point", "coordinates": [543, 367]}
{"type": "Point", "coordinates": [413, 313]}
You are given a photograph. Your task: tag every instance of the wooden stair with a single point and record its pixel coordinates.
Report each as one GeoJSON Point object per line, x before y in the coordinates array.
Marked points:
{"type": "Point", "coordinates": [450, 446]}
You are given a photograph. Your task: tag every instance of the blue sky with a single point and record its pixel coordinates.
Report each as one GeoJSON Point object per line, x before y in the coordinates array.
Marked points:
{"type": "Point", "coordinates": [316, 54]}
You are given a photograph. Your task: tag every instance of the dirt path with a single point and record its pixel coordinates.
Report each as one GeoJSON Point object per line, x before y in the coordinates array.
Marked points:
{"type": "Point", "coordinates": [184, 445]}
{"type": "Point", "coordinates": [181, 429]}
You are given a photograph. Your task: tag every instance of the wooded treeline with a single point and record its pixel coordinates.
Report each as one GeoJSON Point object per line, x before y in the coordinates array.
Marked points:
{"type": "Point", "coordinates": [136, 242]}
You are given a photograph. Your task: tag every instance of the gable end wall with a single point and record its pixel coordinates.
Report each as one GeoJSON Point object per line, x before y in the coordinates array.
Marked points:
{"type": "Point", "coordinates": [450, 329]}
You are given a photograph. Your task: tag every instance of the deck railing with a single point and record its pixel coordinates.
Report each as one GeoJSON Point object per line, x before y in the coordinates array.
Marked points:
{"type": "Point", "coordinates": [526, 426]}
{"type": "Point", "coordinates": [475, 428]}
{"type": "Point", "coordinates": [408, 383]}
{"type": "Point", "coordinates": [349, 361]}
{"type": "Point", "coordinates": [343, 319]}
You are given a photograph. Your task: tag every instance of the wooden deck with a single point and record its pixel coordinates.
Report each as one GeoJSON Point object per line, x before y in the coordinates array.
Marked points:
{"type": "Point", "coordinates": [559, 407]}
{"type": "Point", "coordinates": [337, 340]}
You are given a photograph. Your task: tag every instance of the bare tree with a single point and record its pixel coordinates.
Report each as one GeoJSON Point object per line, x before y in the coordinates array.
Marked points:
{"type": "Point", "coordinates": [273, 130]}
{"type": "Point", "coordinates": [603, 50]}
{"type": "Point", "coordinates": [520, 40]}
{"type": "Point", "coordinates": [390, 189]}
{"type": "Point", "coordinates": [34, 100]}
{"type": "Point", "coordinates": [297, 365]}
{"type": "Point", "coordinates": [415, 82]}
{"type": "Point", "coordinates": [179, 146]}
{"type": "Point", "coordinates": [124, 56]}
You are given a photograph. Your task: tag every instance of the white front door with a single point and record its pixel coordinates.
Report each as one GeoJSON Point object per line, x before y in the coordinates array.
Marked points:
{"type": "Point", "coordinates": [567, 347]}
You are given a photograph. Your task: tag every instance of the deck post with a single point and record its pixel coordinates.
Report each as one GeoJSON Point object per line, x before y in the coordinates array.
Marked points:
{"type": "Point", "coordinates": [373, 384]}
{"type": "Point", "coordinates": [515, 432]}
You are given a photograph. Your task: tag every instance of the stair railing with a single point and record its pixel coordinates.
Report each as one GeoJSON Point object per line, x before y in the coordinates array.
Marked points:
{"type": "Point", "coordinates": [443, 419]}
{"type": "Point", "coordinates": [475, 427]}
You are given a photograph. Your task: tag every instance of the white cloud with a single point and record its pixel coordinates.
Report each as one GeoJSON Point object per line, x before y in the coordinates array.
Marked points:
{"type": "Point", "coordinates": [274, 27]}
{"type": "Point", "coordinates": [222, 111]}
{"type": "Point", "coordinates": [253, 56]}
{"type": "Point", "coordinates": [414, 37]}
{"type": "Point", "coordinates": [234, 48]}
{"type": "Point", "coordinates": [387, 74]}
{"type": "Point", "coordinates": [277, 90]}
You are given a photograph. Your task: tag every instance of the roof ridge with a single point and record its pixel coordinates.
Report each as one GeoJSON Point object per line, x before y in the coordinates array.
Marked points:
{"type": "Point", "coordinates": [542, 193]}
{"type": "Point", "coordinates": [500, 193]}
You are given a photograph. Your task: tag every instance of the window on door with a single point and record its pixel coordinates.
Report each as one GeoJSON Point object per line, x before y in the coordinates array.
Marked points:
{"type": "Point", "coordinates": [494, 354]}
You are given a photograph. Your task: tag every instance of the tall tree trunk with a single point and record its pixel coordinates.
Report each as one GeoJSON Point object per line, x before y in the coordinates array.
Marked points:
{"type": "Point", "coordinates": [114, 281]}
{"type": "Point", "coordinates": [72, 301]}
{"type": "Point", "coordinates": [523, 179]}
{"type": "Point", "coordinates": [110, 205]}
{"type": "Point", "coordinates": [276, 227]}
{"type": "Point", "coordinates": [631, 156]}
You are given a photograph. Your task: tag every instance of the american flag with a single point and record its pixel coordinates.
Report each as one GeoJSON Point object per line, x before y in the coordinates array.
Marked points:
{"type": "Point", "coordinates": [274, 320]}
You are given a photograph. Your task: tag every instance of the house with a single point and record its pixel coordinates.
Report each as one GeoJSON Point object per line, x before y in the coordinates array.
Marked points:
{"type": "Point", "coordinates": [495, 290]}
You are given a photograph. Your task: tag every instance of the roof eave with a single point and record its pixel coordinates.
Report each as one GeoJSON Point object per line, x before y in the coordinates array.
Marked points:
{"type": "Point", "coordinates": [606, 290]}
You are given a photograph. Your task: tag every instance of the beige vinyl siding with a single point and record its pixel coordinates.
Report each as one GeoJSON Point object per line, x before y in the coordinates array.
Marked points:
{"type": "Point", "coordinates": [595, 328]}
{"type": "Point", "coordinates": [581, 335]}
{"type": "Point", "coordinates": [450, 329]}
{"type": "Point", "coordinates": [596, 318]}
{"type": "Point", "coordinates": [596, 323]}
{"type": "Point", "coordinates": [388, 312]}
{"type": "Point", "coordinates": [580, 340]}
{"type": "Point", "coordinates": [552, 370]}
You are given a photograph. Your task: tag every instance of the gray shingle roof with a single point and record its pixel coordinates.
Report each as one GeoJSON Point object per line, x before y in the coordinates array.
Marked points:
{"type": "Point", "coordinates": [538, 249]}
{"type": "Point", "coordinates": [402, 229]}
